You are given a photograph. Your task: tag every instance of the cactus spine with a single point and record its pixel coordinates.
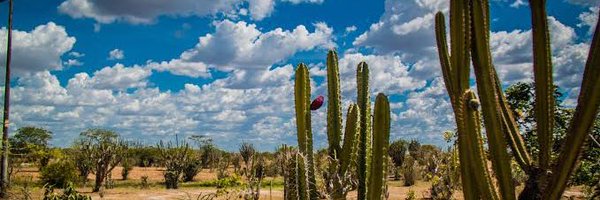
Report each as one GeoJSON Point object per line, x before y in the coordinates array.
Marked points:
{"type": "Point", "coordinates": [469, 32]}
{"type": "Point", "coordinates": [357, 135]}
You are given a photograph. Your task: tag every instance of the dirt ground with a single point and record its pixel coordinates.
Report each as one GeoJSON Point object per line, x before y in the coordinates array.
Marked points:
{"type": "Point", "coordinates": [130, 190]}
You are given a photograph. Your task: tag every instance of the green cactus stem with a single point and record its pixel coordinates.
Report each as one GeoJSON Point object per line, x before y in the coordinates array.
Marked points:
{"type": "Point", "coordinates": [381, 137]}
{"type": "Point", "coordinates": [364, 141]}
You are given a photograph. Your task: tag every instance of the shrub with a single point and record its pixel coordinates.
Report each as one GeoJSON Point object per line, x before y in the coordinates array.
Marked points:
{"type": "Point", "coordinates": [231, 181]}
{"type": "Point", "coordinates": [68, 193]}
{"type": "Point", "coordinates": [127, 167]}
{"type": "Point", "coordinates": [58, 174]}
{"type": "Point", "coordinates": [190, 169]}
{"type": "Point", "coordinates": [144, 182]}
{"type": "Point", "coordinates": [174, 159]}
{"type": "Point", "coordinates": [410, 173]}
{"type": "Point", "coordinates": [411, 195]}
{"type": "Point", "coordinates": [397, 152]}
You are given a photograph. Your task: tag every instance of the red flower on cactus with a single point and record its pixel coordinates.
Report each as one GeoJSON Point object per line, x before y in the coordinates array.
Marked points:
{"type": "Point", "coordinates": [317, 103]}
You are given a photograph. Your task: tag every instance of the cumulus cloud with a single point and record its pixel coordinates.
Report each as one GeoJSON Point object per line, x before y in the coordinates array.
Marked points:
{"type": "Point", "coordinates": [405, 27]}
{"type": "Point", "coordinates": [47, 42]}
{"type": "Point", "coordinates": [241, 46]}
{"type": "Point", "coordinates": [585, 2]}
{"type": "Point", "coordinates": [116, 54]}
{"type": "Point", "coordinates": [96, 101]}
{"type": "Point", "coordinates": [136, 12]}
{"type": "Point", "coordinates": [512, 51]}
{"type": "Point", "coordinates": [425, 114]}
{"type": "Point", "coordinates": [183, 68]}
{"type": "Point", "coordinates": [589, 19]}
{"type": "Point", "coordinates": [117, 77]}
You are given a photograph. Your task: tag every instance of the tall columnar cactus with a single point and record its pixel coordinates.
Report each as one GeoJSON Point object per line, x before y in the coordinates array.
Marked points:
{"type": "Point", "coordinates": [306, 171]}
{"type": "Point", "coordinates": [341, 153]}
{"type": "Point", "coordinates": [469, 33]}
{"type": "Point", "coordinates": [381, 139]}
{"type": "Point", "coordinates": [364, 142]}
{"type": "Point", "coordinates": [338, 178]}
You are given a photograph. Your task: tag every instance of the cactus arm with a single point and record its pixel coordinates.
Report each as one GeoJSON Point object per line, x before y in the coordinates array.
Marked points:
{"type": "Point", "coordinates": [583, 118]}
{"type": "Point", "coordinates": [477, 163]}
{"type": "Point", "coordinates": [364, 143]}
{"type": "Point", "coordinates": [334, 109]}
{"type": "Point", "coordinates": [442, 45]}
{"type": "Point", "coordinates": [461, 43]}
{"type": "Point", "coordinates": [350, 135]}
{"type": "Point", "coordinates": [511, 129]}
{"type": "Point", "coordinates": [381, 137]}
{"type": "Point", "coordinates": [489, 101]}
{"type": "Point", "coordinates": [452, 86]}
{"type": "Point", "coordinates": [544, 88]}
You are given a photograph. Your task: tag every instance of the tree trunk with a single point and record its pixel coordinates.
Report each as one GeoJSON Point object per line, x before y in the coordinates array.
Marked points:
{"type": "Point", "coordinates": [4, 172]}
{"type": "Point", "coordinates": [100, 175]}
{"type": "Point", "coordinates": [532, 190]}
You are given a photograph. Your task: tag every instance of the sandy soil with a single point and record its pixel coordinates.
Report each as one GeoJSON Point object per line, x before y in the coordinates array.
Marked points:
{"type": "Point", "coordinates": [130, 190]}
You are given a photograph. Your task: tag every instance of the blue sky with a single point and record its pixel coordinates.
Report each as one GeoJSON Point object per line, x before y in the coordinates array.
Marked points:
{"type": "Point", "coordinates": [153, 69]}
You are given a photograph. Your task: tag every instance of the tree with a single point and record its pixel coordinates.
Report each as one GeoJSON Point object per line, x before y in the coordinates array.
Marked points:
{"type": "Point", "coordinates": [397, 151]}
{"type": "Point", "coordinates": [414, 149]}
{"type": "Point", "coordinates": [520, 97]}
{"type": "Point", "coordinates": [209, 156]}
{"type": "Point", "coordinates": [174, 159]}
{"type": "Point", "coordinates": [247, 152]}
{"type": "Point", "coordinates": [104, 149]}
{"type": "Point", "coordinates": [31, 143]}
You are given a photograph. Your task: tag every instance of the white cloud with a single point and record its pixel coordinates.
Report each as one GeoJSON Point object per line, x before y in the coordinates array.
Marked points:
{"type": "Point", "coordinates": [137, 12]}
{"type": "Point", "coordinates": [387, 74]}
{"type": "Point", "coordinates": [585, 2]}
{"type": "Point", "coordinates": [260, 9]}
{"type": "Point", "coordinates": [47, 42]}
{"type": "Point", "coordinates": [518, 3]}
{"type": "Point", "coordinates": [119, 77]}
{"type": "Point", "coordinates": [183, 68]}
{"type": "Point", "coordinates": [589, 19]}
{"type": "Point", "coordinates": [512, 51]}
{"type": "Point", "coordinates": [76, 54]}
{"type": "Point", "coordinates": [350, 29]}
{"type": "Point", "coordinates": [425, 115]}
{"type": "Point", "coordinates": [100, 100]}
{"type": "Point", "coordinates": [116, 54]}
{"type": "Point", "coordinates": [73, 62]}
{"type": "Point", "coordinates": [132, 11]}
{"type": "Point", "coordinates": [304, 1]}
{"type": "Point", "coordinates": [241, 46]}
{"type": "Point", "coordinates": [406, 27]}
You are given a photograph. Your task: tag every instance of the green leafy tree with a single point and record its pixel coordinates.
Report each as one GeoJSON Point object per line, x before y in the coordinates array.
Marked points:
{"type": "Point", "coordinates": [397, 152]}
{"type": "Point", "coordinates": [520, 97]}
{"type": "Point", "coordinates": [31, 143]}
{"type": "Point", "coordinates": [58, 174]}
